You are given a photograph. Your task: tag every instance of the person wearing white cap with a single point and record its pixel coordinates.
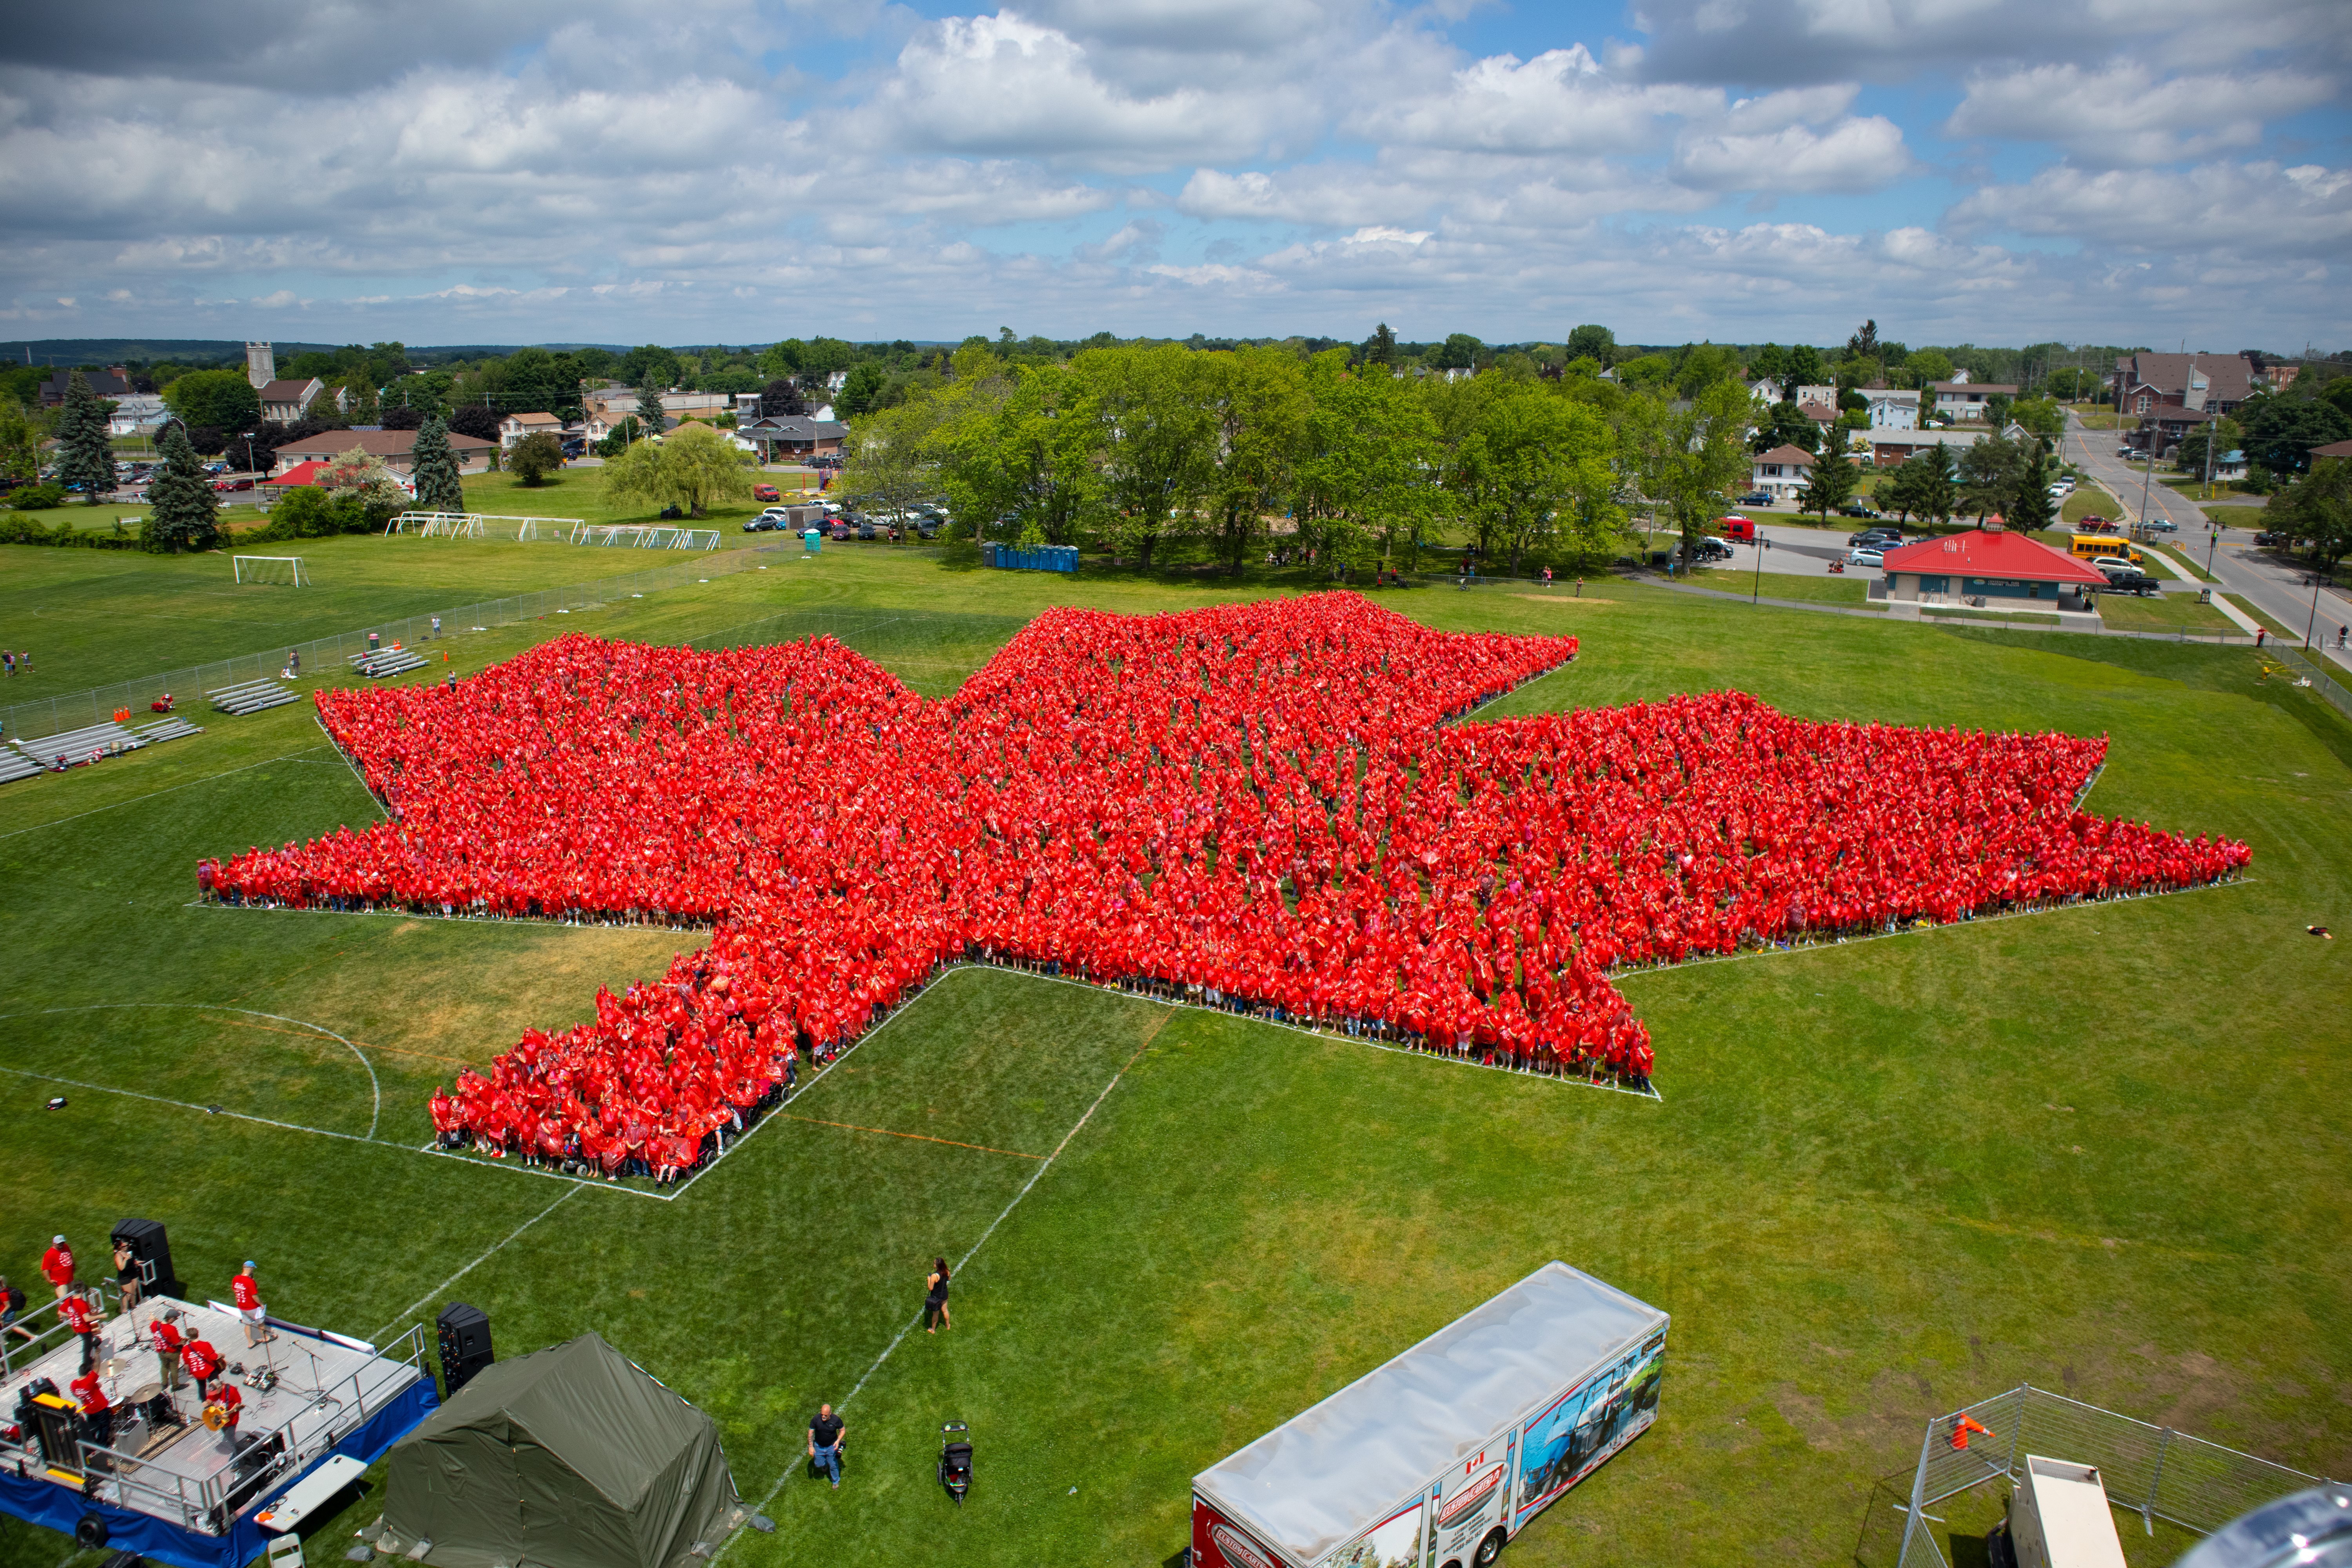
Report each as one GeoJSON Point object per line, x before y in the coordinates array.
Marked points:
{"type": "Point", "coordinates": [247, 1292]}
{"type": "Point", "coordinates": [57, 1265]}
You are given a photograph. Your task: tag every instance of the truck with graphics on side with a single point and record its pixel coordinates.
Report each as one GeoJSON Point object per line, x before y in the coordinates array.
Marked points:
{"type": "Point", "coordinates": [1439, 1457]}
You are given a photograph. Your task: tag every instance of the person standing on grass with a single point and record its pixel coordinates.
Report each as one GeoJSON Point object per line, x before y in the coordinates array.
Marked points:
{"type": "Point", "coordinates": [825, 1442]}
{"type": "Point", "coordinates": [934, 1298]}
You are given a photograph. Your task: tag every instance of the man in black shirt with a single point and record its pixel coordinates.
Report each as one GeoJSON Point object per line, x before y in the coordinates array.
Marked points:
{"type": "Point", "coordinates": [825, 1442]}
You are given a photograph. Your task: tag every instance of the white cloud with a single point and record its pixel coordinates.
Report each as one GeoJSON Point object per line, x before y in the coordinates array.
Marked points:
{"type": "Point", "coordinates": [2125, 115]}
{"type": "Point", "coordinates": [2231, 210]}
{"type": "Point", "coordinates": [1561, 101]}
{"type": "Point", "coordinates": [1854, 155]}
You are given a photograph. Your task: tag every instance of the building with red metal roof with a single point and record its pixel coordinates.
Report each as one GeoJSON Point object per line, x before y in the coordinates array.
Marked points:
{"type": "Point", "coordinates": [1988, 563]}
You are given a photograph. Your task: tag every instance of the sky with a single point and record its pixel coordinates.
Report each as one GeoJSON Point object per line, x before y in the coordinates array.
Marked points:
{"type": "Point", "coordinates": [2157, 172]}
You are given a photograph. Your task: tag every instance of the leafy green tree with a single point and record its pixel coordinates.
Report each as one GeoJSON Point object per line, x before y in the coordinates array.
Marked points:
{"type": "Point", "coordinates": [2041, 416]}
{"type": "Point", "coordinates": [1938, 483]}
{"type": "Point", "coordinates": [2317, 509]}
{"type": "Point", "coordinates": [85, 449]}
{"type": "Point", "coordinates": [1364, 461]}
{"type": "Point", "coordinates": [1532, 461]}
{"type": "Point", "coordinates": [1039, 459]}
{"type": "Point", "coordinates": [1381, 348]}
{"type": "Point", "coordinates": [1260, 403]}
{"type": "Point", "coordinates": [651, 365]}
{"type": "Point", "coordinates": [218, 397]}
{"type": "Point", "coordinates": [1830, 483]}
{"type": "Point", "coordinates": [182, 510]}
{"type": "Point", "coordinates": [2223, 435]}
{"type": "Point", "coordinates": [1590, 342]}
{"type": "Point", "coordinates": [1769, 363]}
{"type": "Point", "coordinates": [692, 467]}
{"type": "Point", "coordinates": [1864, 344]}
{"type": "Point", "coordinates": [535, 457]}
{"type": "Point", "coordinates": [476, 419]}
{"type": "Point", "coordinates": [22, 431]}
{"type": "Point", "coordinates": [1900, 493]}
{"type": "Point", "coordinates": [1989, 473]}
{"type": "Point", "coordinates": [1785, 425]}
{"type": "Point", "coordinates": [1460, 351]}
{"type": "Point", "coordinates": [2030, 509]}
{"type": "Point", "coordinates": [863, 390]}
{"type": "Point", "coordinates": [1703, 365]}
{"type": "Point", "coordinates": [1927, 366]}
{"type": "Point", "coordinates": [1804, 368]}
{"type": "Point", "coordinates": [1161, 430]}
{"type": "Point", "coordinates": [1686, 459]}
{"type": "Point", "coordinates": [650, 417]}
{"type": "Point", "coordinates": [439, 487]}
{"type": "Point", "coordinates": [2282, 431]}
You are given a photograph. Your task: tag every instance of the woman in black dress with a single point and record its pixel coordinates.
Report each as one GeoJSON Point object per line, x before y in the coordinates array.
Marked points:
{"type": "Point", "coordinates": [934, 1298]}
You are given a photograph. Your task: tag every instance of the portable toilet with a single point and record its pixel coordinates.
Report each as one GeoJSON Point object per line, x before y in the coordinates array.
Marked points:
{"type": "Point", "coordinates": [812, 541]}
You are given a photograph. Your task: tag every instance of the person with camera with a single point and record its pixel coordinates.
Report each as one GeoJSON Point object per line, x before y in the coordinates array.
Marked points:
{"type": "Point", "coordinates": [825, 1442]}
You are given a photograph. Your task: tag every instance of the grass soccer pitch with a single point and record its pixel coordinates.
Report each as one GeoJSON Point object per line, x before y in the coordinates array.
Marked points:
{"type": "Point", "coordinates": [2101, 1148]}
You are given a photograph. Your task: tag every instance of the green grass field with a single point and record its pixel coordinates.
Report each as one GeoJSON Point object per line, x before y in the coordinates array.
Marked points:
{"type": "Point", "coordinates": [2101, 1148]}
{"type": "Point", "coordinates": [2162, 613]}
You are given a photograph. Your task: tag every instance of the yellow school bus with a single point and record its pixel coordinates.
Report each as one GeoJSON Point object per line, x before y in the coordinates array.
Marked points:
{"type": "Point", "coordinates": [2090, 546]}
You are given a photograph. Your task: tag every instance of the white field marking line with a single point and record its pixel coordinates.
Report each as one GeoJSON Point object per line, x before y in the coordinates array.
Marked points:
{"type": "Point", "coordinates": [901, 1338]}
{"type": "Point", "coordinates": [150, 794]}
{"type": "Point", "coordinates": [382, 809]}
{"type": "Point", "coordinates": [426, 1300]}
{"type": "Point", "coordinates": [184, 1105]}
{"type": "Point", "coordinates": [1618, 977]}
{"type": "Point", "coordinates": [375, 1089]}
{"type": "Point", "coordinates": [518, 1169]}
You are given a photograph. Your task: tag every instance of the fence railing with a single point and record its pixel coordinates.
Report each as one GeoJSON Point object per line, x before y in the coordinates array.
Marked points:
{"type": "Point", "coordinates": [79, 710]}
{"type": "Point", "coordinates": [2155, 1472]}
{"type": "Point", "coordinates": [2312, 668]}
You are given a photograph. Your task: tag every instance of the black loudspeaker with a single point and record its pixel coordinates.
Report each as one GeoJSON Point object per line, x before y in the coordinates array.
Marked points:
{"type": "Point", "coordinates": [465, 1345]}
{"type": "Point", "coordinates": [153, 1250]}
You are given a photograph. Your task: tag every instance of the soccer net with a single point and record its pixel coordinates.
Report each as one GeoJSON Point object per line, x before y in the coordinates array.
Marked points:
{"type": "Point", "coordinates": [270, 569]}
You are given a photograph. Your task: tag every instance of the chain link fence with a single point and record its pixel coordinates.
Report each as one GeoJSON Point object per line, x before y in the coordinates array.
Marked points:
{"type": "Point", "coordinates": [2152, 1471]}
{"type": "Point", "coordinates": [79, 710]}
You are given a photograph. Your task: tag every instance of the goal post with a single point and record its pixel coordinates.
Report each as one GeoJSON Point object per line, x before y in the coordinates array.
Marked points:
{"type": "Point", "coordinates": [270, 569]}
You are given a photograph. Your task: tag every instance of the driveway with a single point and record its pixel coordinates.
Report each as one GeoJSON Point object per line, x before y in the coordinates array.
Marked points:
{"type": "Point", "coordinates": [2282, 591]}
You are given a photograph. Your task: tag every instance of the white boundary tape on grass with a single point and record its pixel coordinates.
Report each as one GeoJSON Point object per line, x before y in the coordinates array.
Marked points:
{"type": "Point", "coordinates": [426, 1300]}
{"type": "Point", "coordinates": [375, 1089]}
{"type": "Point", "coordinates": [909, 1327]}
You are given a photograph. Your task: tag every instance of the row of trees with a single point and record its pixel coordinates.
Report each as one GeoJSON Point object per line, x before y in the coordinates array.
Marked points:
{"type": "Point", "coordinates": [1137, 447]}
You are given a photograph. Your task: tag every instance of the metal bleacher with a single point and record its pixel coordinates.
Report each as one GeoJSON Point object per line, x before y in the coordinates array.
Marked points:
{"type": "Point", "coordinates": [165, 730]}
{"type": "Point", "coordinates": [15, 764]}
{"type": "Point", "coordinates": [385, 662]}
{"type": "Point", "coordinates": [24, 759]}
{"type": "Point", "coordinates": [252, 695]}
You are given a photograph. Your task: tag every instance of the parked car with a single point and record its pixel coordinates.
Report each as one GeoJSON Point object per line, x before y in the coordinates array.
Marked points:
{"type": "Point", "coordinates": [1857, 509]}
{"type": "Point", "coordinates": [840, 529]}
{"type": "Point", "coordinates": [2161, 525]}
{"type": "Point", "coordinates": [2112, 563]}
{"type": "Point", "coordinates": [2130, 582]}
{"type": "Point", "coordinates": [1873, 536]}
{"type": "Point", "coordinates": [1860, 556]}
{"type": "Point", "coordinates": [1756, 497]}
{"type": "Point", "coordinates": [766, 492]}
{"type": "Point", "coordinates": [1713, 550]}
{"type": "Point", "coordinates": [1735, 526]}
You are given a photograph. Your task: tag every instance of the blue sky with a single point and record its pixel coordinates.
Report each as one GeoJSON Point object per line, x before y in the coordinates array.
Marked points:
{"type": "Point", "coordinates": [1994, 171]}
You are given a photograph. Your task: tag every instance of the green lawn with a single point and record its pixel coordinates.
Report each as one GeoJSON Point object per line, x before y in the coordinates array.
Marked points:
{"type": "Point", "coordinates": [1852, 589]}
{"type": "Point", "coordinates": [1999, 1152]}
{"type": "Point", "coordinates": [2089, 499]}
{"type": "Point", "coordinates": [2162, 613]}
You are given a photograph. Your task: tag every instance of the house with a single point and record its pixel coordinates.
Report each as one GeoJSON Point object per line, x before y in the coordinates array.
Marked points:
{"type": "Point", "coordinates": [108, 384]}
{"type": "Point", "coordinates": [1828, 394]}
{"type": "Point", "coordinates": [135, 412]}
{"type": "Point", "coordinates": [1965, 399]}
{"type": "Point", "coordinates": [396, 447]}
{"type": "Point", "coordinates": [2166, 428]}
{"type": "Point", "coordinates": [1990, 566]}
{"type": "Point", "coordinates": [2333, 449]}
{"type": "Point", "coordinates": [1780, 472]}
{"type": "Point", "coordinates": [286, 402]}
{"type": "Point", "coordinates": [1890, 448]}
{"type": "Point", "coordinates": [1892, 410]}
{"type": "Point", "coordinates": [2148, 383]}
{"type": "Point", "coordinates": [2233, 465]}
{"type": "Point", "coordinates": [1817, 411]}
{"type": "Point", "coordinates": [515, 427]}
{"type": "Point", "coordinates": [606, 406]}
{"type": "Point", "coordinates": [790, 436]}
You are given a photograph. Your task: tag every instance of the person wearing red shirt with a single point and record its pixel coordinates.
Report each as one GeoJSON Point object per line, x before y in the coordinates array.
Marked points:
{"type": "Point", "coordinates": [231, 1404]}
{"type": "Point", "coordinates": [202, 1361]}
{"type": "Point", "coordinates": [75, 1314]}
{"type": "Point", "coordinates": [57, 1265]}
{"type": "Point", "coordinates": [164, 1335]}
{"type": "Point", "coordinates": [97, 1410]}
{"type": "Point", "coordinates": [246, 1291]}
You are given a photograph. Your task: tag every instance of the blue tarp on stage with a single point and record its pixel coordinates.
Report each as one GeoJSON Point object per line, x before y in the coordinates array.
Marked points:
{"type": "Point", "coordinates": [40, 1502]}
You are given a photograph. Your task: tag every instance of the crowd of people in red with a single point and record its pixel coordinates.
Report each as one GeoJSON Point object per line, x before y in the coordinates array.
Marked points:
{"type": "Point", "coordinates": [1260, 808]}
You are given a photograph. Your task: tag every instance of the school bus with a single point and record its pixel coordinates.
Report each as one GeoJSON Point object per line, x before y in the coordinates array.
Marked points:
{"type": "Point", "coordinates": [2090, 546]}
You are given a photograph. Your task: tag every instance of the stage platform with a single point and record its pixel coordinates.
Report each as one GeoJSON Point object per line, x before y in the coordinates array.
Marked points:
{"type": "Point", "coordinates": [308, 1393]}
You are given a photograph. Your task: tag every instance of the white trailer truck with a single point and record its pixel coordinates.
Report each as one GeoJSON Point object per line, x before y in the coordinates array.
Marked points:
{"type": "Point", "coordinates": [1439, 1457]}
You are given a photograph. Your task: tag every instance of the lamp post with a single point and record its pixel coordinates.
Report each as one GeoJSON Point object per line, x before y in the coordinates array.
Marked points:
{"type": "Point", "coordinates": [2312, 624]}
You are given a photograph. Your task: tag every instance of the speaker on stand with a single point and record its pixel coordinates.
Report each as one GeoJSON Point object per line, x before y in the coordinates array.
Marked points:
{"type": "Point", "coordinates": [465, 1333]}
{"type": "Point", "coordinates": [150, 1250]}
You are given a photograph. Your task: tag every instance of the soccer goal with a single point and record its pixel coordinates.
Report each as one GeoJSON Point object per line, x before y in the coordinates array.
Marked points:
{"type": "Point", "coordinates": [270, 569]}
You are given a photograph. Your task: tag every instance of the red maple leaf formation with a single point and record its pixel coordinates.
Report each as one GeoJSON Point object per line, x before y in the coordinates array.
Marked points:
{"type": "Point", "coordinates": [1261, 807]}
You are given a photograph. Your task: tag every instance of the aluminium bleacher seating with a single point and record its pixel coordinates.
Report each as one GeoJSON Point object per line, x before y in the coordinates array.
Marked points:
{"type": "Point", "coordinates": [15, 764]}
{"type": "Point", "coordinates": [172, 728]}
{"type": "Point", "coordinates": [385, 662]}
{"type": "Point", "coordinates": [252, 695]}
{"type": "Point", "coordinates": [25, 759]}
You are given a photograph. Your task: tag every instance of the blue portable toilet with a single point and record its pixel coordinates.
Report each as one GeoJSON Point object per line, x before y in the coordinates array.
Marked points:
{"type": "Point", "coordinates": [812, 540]}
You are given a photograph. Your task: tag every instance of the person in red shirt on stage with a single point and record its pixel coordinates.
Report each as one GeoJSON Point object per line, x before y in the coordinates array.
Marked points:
{"type": "Point", "coordinates": [231, 1404]}
{"type": "Point", "coordinates": [57, 1265]}
{"type": "Point", "coordinates": [75, 1314]}
{"type": "Point", "coordinates": [97, 1410]}
{"type": "Point", "coordinates": [163, 1333]}
{"type": "Point", "coordinates": [203, 1364]}
{"type": "Point", "coordinates": [246, 1291]}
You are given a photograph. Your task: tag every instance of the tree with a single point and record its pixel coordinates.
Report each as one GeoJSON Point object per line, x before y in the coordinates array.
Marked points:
{"type": "Point", "coordinates": [1805, 369]}
{"type": "Point", "coordinates": [1702, 365]}
{"type": "Point", "coordinates": [1921, 487]}
{"type": "Point", "coordinates": [691, 468]}
{"type": "Point", "coordinates": [1364, 461]}
{"type": "Point", "coordinates": [207, 440]}
{"type": "Point", "coordinates": [1997, 405]}
{"type": "Point", "coordinates": [2282, 431]}
{"type": "Point", "coordinates": [1261, 403]}
{"type": "Point", "coordinates": [21, 434]}
{"type": "Point", "coordinates": [651, 419]}
{"type": "Point", "coordinates": [863, 390]}
{"type": "Point", "coordinates": [85, 449]}
{"type": "Point", "coordinates": [438, 486]}
{"type": "Point", "coordinates": [1530, 459]}
{"type": "Point", "coordinates": [1864, 344]}
{"type": "Point", "coordinates": [1037, 456]}
{"type": "Point", "coordinates": [1686, 459]}
{"type": "Point", "coordinates": [1460, 351]}
{"type": "Point", "coordinates": [2317, 509]}
{"type": "Point", "coordinates": [2030, 509]}
{"type": "Point", "coordinates": [535, 457]}
{"type": "Point", "coordinates": [1591, 342]}
{"type": "Point", "coordinates": [780, 399]}
{"type": "Point", "coordinates": [1925, 365]}
{"type": "Point", "coordinates": [399, 418]}
{"type": "Point", "coordinates": [182, 511]}
{"type": "Point", "coordinates": [1830, 483]}
{"type": "Point", "coordinates": [2223, 435]}
{"type": "Point", "coordinates": [221, 397]}
{"type": "Point", "coordinates": [1160, 435]}
{"type": "Point", "coordinates": [2040, 414]}
{"type": "Point", "coordinates": [1381, 348]}
{"type": "Point", "coordinates": [1787, 426]}
{"type": "Point", "coordinates": [651, 366]}
{"type": "Point", "coordinates": [1769, 362]}
{"type": "Point", "coordinates": [1988, 477]}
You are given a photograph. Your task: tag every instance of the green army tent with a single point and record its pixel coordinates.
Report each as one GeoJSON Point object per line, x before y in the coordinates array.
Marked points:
{"type": "Point", "coordinates": [573, 1456]}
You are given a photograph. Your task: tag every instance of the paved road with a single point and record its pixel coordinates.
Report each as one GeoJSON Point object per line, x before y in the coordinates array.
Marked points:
{"type": "Point", "coordinates": [2278, 589]}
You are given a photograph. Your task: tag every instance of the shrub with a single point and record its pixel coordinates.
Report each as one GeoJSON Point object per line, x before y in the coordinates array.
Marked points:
{"type": "Point", "coordinates": [36, 498]}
